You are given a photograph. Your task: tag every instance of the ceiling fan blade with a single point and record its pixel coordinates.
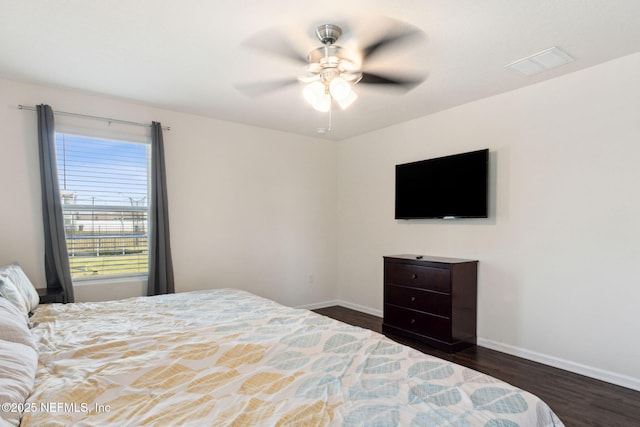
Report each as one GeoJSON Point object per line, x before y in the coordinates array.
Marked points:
{"type": "Point", "coordinates": [406, 83]}
{"type": "Point", "coordinates": [276, 44]}
{"type": "Point", "coordinates": [400, 34]}
{"type": "Point", "coordinates": [262, 88]}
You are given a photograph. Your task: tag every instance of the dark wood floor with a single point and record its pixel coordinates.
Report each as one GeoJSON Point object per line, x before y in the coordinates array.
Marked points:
{"type": "Point", "coordinates": [576, 399]}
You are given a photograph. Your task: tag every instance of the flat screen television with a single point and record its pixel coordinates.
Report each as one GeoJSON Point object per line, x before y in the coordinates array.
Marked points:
{"type": "Point", "coordinates": [449, 187]}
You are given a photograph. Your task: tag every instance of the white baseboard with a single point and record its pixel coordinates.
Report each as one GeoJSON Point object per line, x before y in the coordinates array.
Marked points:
{"type": "Point", "coordinates": [360, 308]}
{"type": "Point", "coordinates": [556, 362]}
{"type": "Point", "coordinates": [319, 305]}
{"type": "Point", "coordinates": [567, 365]}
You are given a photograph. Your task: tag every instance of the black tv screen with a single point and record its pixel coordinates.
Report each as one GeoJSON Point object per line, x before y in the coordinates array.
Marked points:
{"type": "Point", "coordinates": [447, 187]}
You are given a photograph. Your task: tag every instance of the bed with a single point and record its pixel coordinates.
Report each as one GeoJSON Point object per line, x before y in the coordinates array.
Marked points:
{"type": "Point", "coordinates": [226, 357]}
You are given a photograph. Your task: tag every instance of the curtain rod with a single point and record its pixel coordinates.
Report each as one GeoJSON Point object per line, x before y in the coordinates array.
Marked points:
{"type": "Point", "coordinates": [85, 116]}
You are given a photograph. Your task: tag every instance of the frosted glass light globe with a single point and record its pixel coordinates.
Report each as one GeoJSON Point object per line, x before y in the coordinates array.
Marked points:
{"type": "Point", "coordinates": [316, 95]}
{"type": "Point", "coordinates": [339, 89]}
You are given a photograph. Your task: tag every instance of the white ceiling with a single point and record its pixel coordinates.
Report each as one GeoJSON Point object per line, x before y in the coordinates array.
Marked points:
{"type": "Point", "coordinates": [188, 55]}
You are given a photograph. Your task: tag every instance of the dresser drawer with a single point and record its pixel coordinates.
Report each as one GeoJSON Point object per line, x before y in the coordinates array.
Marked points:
{"type": "Point", "coordinates": [417, 299]}
{"type": "Point", "coordinates": [435, 279]}
{"type": "Point", "coordinates": [418, 322]}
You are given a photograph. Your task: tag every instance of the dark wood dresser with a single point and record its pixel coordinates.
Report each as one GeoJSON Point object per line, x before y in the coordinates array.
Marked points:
{"type": "Point", "coordinates": [431, 299]}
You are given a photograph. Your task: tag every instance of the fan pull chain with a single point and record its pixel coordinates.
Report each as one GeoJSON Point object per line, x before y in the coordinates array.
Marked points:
{"type": "Point", "coordinates": [326, 129]}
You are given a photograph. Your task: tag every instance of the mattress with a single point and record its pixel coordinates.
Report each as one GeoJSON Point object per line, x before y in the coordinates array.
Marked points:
{"type": "Point", "coordinates": [226, 357]}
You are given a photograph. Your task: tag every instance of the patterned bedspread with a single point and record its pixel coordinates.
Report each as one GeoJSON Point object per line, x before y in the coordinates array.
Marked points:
{"type": "Point", "coordinates": [229, 358]}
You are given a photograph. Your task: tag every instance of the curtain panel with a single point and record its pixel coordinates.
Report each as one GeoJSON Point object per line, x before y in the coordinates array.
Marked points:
{"type": "Point", "coordinates": [160, 261]}
{"type": "Point", "coordinates": [56, 257]}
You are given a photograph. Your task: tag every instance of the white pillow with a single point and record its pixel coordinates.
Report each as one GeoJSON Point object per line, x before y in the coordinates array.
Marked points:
{"type": "Point", "coordinates": [4, 423]}
{"type": "Point", "coordinates": [13, 325]}
{"type": "Point", "coordinates": [22, 282]}
{"type": "Point", "coordinates": [17, 373]}
{"type": "Point", "coordinates": [10, 292]}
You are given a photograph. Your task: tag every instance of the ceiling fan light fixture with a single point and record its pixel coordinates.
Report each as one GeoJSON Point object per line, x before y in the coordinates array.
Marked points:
{"type": "Point", "coordinates": [312, 92]}
{"type": "Point", "coordinates": [344, 103]}
{"type": "Point", "coordinates": [323, 104]}
{"type": "Point", "coordinates": [316, 95]}
{"type": "Point", "coordinates": [330, 71]}
{"type": "Point", "coordinates": [339, 89]}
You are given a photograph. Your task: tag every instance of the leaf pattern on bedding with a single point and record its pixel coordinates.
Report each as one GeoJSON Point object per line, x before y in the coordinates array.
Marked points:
{"type": "Point", "coordinates": [247, 413]}
{"type": "Point", "coordinates": [471, 376]}
{"type": "Point", "coordinates": [289, 360]}
{"type": "Point", "coordinates": [383, 348]}
{"type": "Point", "coordinates": [226, 357]}
{"type": "Point", "coordinates": [88, 390]}
{"type": "Point", "coordinates": [134, 353]}
{"type": "Point", "coordinates": [374, 388]}
{"type": "Point", "coordinates": [434, 394]}
{"type": "Point", "coordinates": [342, 343]}
{"type": "Point", "coordinates": [241, 327]}
{"type": "Point", "coordinates": [282, 321]}
{"type": "Point", "coordinates": [331, 363]}
{"type": "Point", "coordinates": [179, 413]}
{"type": "Point", "coordinates": [431, 370]}
{"type": "Point", "coordinates": [499, 400]}
{"type": "Point", "coordinates": [501, 423]}
{"type": "Point", "coordinates": [302, 339]}
{"type": "Point", "coordinates": [439, 418]}
{"type": "Point", "coordinates": [99, 351]}
{"type": "Point", "coordinates": [379, 365]}
{"type": "Point", "coordinates": [126, 406]}
{"type": "Point", "coordinates": [164, 377]}
{"type": "Point", "coordinates": [318, 321]}
{"type": "Point", "coordinates": [319, 387]}
{"type": "Point", "coordinates": [242, 354]}
{"type": "Point", "coordinates": [266, 382]}
{"type": "Point", "coordinates": [314, 414]}
{"type": "Point", "coordinates": [212, 381]}
{"type": "Point", "coordinates": [374, 416]}
{"type": "Point", "coordinates": [194, 351]}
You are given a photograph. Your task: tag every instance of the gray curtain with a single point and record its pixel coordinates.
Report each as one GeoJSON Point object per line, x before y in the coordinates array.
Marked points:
{"type": "Point", "coordinates": [56, 258]}
{"type": "Point", "coordinates": [160, 263]}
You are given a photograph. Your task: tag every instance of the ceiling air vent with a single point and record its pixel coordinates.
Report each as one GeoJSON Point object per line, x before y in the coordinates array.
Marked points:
{"type": "Point", "coordinates": [541, 61]}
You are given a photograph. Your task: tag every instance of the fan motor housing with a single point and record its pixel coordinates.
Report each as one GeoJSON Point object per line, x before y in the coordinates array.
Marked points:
{"type": "Point", "coordinates": [328, 33]}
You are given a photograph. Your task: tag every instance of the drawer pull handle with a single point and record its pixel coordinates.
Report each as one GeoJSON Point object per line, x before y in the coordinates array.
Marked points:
{"type": "Point", "coordinates": [413, 321]}
{"type": "Point", "coordinates": [413, 299]}
{"type": "Point", "coordinates": [414, 276]}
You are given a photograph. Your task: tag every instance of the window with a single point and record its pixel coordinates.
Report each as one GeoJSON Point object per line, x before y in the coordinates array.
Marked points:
{"type": "Point", "coordinates": [104, 186]}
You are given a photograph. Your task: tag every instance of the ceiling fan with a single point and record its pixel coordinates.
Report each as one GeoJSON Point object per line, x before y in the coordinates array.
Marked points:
{"type": "Point", "coordinates": [330, 71]}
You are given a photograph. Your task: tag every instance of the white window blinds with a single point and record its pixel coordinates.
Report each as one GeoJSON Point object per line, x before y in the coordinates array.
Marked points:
{"type": "Point", "coordinates": [104, 186]}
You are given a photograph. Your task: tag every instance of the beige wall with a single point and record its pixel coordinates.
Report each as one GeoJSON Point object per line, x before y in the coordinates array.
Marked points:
{"type": "Point", "coordinates": [250, 208]}
{"type": "Point", "coordinates": [305, 221]}
{"type": "Point", "coordinates": [559, 271]}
